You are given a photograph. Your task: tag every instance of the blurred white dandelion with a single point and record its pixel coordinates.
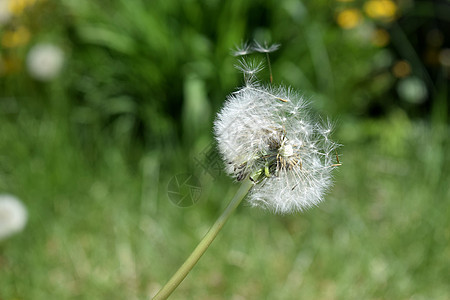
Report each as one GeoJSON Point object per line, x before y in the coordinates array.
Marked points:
{"type": "Point", "coordinates": [5, 13]}
{"type": "Point", "coordinates": [267, 133]}
{"type": "Point", "coordinates": [45, 61]}
{"type": "Point", "coordinates": [13, 216]}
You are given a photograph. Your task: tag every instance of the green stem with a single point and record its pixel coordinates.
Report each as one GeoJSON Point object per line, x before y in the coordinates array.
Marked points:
{"type": "Point", "coordinates": [270, 67]}
{"type": "Point", "coordinates": [178, 277]}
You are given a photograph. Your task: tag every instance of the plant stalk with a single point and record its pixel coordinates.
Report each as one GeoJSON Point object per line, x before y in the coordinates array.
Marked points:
{"type": "Point", "coordinates": [190, 262]}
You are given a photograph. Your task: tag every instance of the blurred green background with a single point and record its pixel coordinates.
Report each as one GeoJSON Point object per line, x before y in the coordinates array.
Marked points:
{"type": "Point", "coordinates": [122, 98]}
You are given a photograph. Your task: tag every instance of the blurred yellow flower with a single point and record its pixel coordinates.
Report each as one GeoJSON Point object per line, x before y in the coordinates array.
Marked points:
{"type": "Point", "coordinates": [381, 9]}
{"type": "Point", "coordinates": [15, 38]}
{"type": "Point", "coordinates": [444, 57]}
{"type": "Point", "coordinates": [16, 7]}
{"type": "Point", "coordinates": [9, 65]}
{"type": "Point", "coordinates": [380, 38]}
{"type": "Point", "coordinates": [401, 69]}
{"type": "Point", "coordinates": [349, 18]}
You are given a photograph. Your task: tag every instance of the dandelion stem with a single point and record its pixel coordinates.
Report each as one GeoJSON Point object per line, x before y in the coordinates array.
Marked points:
{"type": "Point", "coordinates": [190, 262]}
{"type": "Point", "coordinates": [270, 67]}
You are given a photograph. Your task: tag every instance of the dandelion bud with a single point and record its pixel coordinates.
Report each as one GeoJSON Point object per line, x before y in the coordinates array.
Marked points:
{"type": "Point", "coordinates": [267, 134]}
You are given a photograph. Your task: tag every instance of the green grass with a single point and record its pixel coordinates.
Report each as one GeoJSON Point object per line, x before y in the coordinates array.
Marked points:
{"type": "Point", "coordinates": [109, 231]}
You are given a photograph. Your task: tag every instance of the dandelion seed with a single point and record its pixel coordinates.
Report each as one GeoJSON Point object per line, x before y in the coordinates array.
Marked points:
{"type": "Point", "coordinates": [243, 49]}
{"type": "Point", "coordinates": [13, 216]}
{"type": "Point", "coordinates": [249, 68]}
{"type": "Point", "coordinates": [265, 48]}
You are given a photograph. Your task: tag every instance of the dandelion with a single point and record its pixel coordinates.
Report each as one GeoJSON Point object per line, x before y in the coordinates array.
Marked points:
{"type": "Point", "coordinates": [277, 145]}
{"type": "Point", "coordinates": [45, 61]}
{"type": "Point", "coordinates": [13, 216]}
{"type": "Point", "coordinates": [271, 143]}
{"type": "Point", "coordinates": [267, 49]}
{"type": "Point", "coordinates": [250, 68]}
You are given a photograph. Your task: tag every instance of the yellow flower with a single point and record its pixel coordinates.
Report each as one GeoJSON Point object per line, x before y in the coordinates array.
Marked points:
{"type": "Point", "coordinates": [15, 38]}
{"type": "Point", "coordinates": [380, 38]}
{"type": "Point", "coordinates": [349, 18]}
{"type": "Point", "coordinates": [381, 9]}
{"type": "Point", "coordinates": [9, 65]}
{"type": "Point", "coordinates": [16, 7]}
{"type": "Point", "coordinates": [401, 69]}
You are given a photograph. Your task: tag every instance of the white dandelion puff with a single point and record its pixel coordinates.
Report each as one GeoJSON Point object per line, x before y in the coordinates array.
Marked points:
{"type": "Point", "coordinates": [270, 142]}
{"type": "Point", "coordinates": [45, 61]}
{"type": "Point", "coordinates": [267, 134]}
{"type": "Point", "coordinates": [13, 216]}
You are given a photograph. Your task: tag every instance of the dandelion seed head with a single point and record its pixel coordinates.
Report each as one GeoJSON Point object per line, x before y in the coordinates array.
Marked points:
{"type": "Point", "coordinates": [267, 133]}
